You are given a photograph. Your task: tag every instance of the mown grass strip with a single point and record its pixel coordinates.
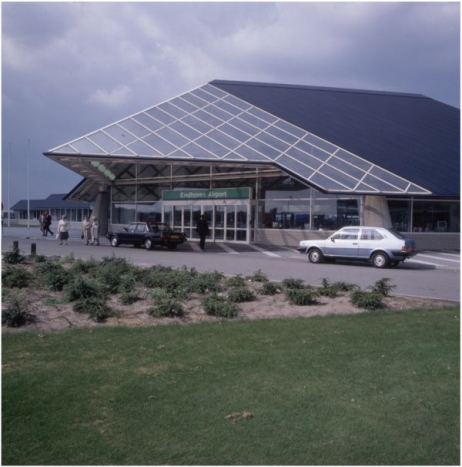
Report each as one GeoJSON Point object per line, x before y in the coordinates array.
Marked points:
{"type": "Point", "coordinates": [374, 388]}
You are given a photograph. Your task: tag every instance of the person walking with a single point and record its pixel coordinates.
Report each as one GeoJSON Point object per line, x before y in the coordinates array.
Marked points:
{"type": "Point", "coordinates": [94, 231]}
{"type": "Point", "coordinates": [202, 228]}
{"type": "Point", "coordinates": [41, 219]}
{"type": "Point", "coordinates": [86, 229]}
{"type": "Point", "coordinates": [63, 230]}
{"type": "Point", "coordinates": [47, 224]}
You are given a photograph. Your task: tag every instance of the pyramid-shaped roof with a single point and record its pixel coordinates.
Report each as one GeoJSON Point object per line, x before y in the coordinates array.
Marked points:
{"type": "Point", "coordinates": [339, 141]}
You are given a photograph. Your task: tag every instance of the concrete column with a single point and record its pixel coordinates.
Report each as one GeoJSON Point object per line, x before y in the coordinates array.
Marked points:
{"type": "Point", "coordinates": [101, 209]}
{"type": "Point", "coordinates": [376, 212]}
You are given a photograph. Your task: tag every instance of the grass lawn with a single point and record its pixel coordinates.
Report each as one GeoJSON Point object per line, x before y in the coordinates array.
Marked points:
{"type": "Point", "coordinates": [375, 388]}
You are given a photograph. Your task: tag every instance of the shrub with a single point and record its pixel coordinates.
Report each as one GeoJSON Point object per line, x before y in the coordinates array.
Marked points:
{"type": "Point", "coordinates": [37, 258]}
{"type": "Point", "coordinates": [368, 300]}
{"type": "Point", "coordinates": [258, 276]}
{"type": "Point", "coordinates": [13, 257]}
{"type": "Point", "coordinates": [292, 283]}
{"type": "Point", "coordinates": [332, 290]}
{"type": "Point", "coordinates": [168, 307]}
{"type": "Point", "coordinates": [52, 276]}
{"type": "Point", "coordinates": [236, 281]}
{"type": "Point", "coordinates": [70, 258]}
{"type": "Point", "coordinates": [240, 294]}
{"type": "Point", "coordinates": [81, 266]}
{"type": "Point", "coordinates": [16, 277]}
{"type": "Point", "coordinates": [16, 314]}
{"type": "Point", "coordinates": [301, 296]}
{"type": "Point", "coordinates": [383, 287]}
{"type": "Point", "coordinates": [216, 305]}
{"type": "Point", "coordinates": [128, 298]}
{"type": "Point", "coordinates": [270, 288]}
{"type": "Point", "coordinates": [204, 283]}
{"type": "Point", "coordinates": [127, 283]}
{"type": "Point", "coordinates": [95, 307]}
{"type": "Point", "coordinates": [80, 289]}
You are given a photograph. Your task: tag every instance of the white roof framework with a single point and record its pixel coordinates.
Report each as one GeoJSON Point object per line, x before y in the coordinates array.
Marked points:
{"type": "Point", "coordinates": [211, 126]}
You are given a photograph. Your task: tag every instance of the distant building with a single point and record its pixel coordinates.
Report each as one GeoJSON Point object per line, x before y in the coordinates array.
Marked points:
{"type": "Point", "coordinates": [56, 205]}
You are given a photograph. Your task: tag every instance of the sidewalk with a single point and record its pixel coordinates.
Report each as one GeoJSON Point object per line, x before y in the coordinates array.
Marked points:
{"type": "Point", "coordinates": [34, 233]}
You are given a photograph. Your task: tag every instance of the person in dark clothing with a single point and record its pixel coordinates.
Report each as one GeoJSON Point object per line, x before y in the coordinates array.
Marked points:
{"type": "Point", "coordinates": [202, 228]}
{"type": "Point", "coordinates": [47, 224]}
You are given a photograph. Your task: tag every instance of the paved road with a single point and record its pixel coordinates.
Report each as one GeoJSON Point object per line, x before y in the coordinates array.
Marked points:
{"type": "Point", "coordinates": [429, 274]}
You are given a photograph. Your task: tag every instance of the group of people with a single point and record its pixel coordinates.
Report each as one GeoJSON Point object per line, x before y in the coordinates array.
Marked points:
{"type": "Point", "coordinates": [45, 222]}
{"type": "Point", "coordinates": [90, 230]}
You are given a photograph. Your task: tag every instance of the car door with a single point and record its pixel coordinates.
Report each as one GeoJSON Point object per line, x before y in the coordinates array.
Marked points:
{"type": "Point", "coordinates": [369, 240]}
{"type": "Point", "coordinates": [344, 243]}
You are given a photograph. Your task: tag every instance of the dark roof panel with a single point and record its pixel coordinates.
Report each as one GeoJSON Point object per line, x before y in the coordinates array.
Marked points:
{"type": "Point", "coordinates": [410, 135]}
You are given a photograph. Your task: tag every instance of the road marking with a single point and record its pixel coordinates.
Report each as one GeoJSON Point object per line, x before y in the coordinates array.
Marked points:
{"type": "Point", "coordinates": [440, 258]}
{"type": "Point", "coordinates": [441, 266]}
{"type": "Point", "coordinates": [261, 250]}
{"type": "Point", "coordinates": [228, 249]}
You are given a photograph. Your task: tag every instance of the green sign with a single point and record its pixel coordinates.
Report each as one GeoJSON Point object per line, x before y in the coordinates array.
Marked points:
{"type": "Point", "coordinates": [189, 195]}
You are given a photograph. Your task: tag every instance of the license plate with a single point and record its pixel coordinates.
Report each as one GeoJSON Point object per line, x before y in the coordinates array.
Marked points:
{"type": "Point", "coordinates": [174, 236]}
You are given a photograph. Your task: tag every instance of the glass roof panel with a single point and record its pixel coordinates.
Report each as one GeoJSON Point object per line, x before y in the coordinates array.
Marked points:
{"type": "Point", "coordinates": [389, 178]}
{"type": "Point", "coordinates": [159, 144]}
{"type": "Point", "coordinates": [289, 128]}
{"type": "Point", "coordinates": [172, 136]}
{"type": "Point", "coordinates": [311, 150]}
{"type": "Point", "coordinates": [305, 158]}
{"type": "Point", "coordinates": [104, 141]}
{"type": "Point", "coordinates": [159, 115]}
{"type": "Point", "coordinates": [348, 168]}
{"type": "Point", "coordinates": [243, 126]}
{"type": "Point", "coordinates": [216, 112]}
{"type": "Point", "coordinates": [119, 134]}
{"type": "Point", "coordinates": [354, 160]}
{"type": "Point", "coordinates": [215, 91]}
{"type": "Point", "coordinates": [295, 166]}
{"type": "Point", "coordinates": [147, 121]}
{"type": "Point", "coordinates": [197, 124]}
{"type": "Point", "coordinates": [208, 118]}
{"type": "Point", "coordinates": [283, 135]}
{"type": "Point", "coordinates": [320, 143]}
{"type": "Point", "coordinates": [185, 130]}
{"type": "Point", "coordinates": [182, 104]}
{"type": "Point", "coordinates": [172, 110]}
{"type": "Point", "coordinates": [234, 132]}
{"type": "Point", "coordinates": [123, 152]}
{"type": "Point", "coordinates": [268, 151]}
{"type": "Point", "coordinates": [232, 156]}
{"type": "Point", "coordinates": [141, 149]}
{"type": "Point", "coordinates": [194, 100]}
{"type": "Point", "coordinates": [237, 102]}
{"type": "Point", "coordinates": [250, 154]}
{"type": "Point", "coordinates": [231, 109]}
{"type": "Point", "coordinates": [379, 184]}
{"type": "Point", "coordinates": [256, 122]}
{"type": "Point", "coordinates": [262, 115]}
{"type": "Point", "coordinates": [365, 188]}
{"type": "Point", "coordinates": [84, 146]}
{"type": "Point", "coordinates": [66, 149]}
{"type": "Point", "coordinates": [198, 152]}
{"type": "Point", "coordinates": [272, 141]}
{"type": "Point", "coordinates": [326, 183]}
{"type": "Point", "coordinates": [133, 127]}
{"type": "Point", "coordinates": [204, 95]}
{"type": "Point", "coordinates": [340, 177]}
{"type": "Point", "coordinates": [212, 146]}
{"type": "Point", "coordinates": [223, 139]}
{"type": "Point", "coordinates": [179, 154]}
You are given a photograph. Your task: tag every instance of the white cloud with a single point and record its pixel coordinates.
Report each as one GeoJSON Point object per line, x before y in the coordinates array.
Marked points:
{"type": "Point", "coordinates": [116, 97]}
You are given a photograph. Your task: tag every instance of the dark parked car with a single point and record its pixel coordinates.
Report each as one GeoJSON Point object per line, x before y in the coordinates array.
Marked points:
{"type": "Point", "coordinates": [147, 234]}
{"type": "Point", "coordinates": [378, 245]}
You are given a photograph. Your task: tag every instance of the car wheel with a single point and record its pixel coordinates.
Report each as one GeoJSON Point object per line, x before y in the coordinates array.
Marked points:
{"type": "Point", "coordinates": [380, 260]}
{"type": "Point", "coordinates": [171, 246]}
{"type": "Point", "coordinates": [148, 244]}
{"type": "Point", "coordinates": [315, 256]}
{"type": "Point", "coordinates": [115, 241]}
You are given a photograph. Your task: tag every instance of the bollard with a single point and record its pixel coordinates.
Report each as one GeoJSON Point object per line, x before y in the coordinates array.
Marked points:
{"type": "Point", "coordinates": [33, 249]}
{"type": "Point", "coordinates": [15, 245]}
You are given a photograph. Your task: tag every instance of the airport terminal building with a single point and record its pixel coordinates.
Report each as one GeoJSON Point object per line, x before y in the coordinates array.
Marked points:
{"type": "Point", "coordinates": [275, 163]}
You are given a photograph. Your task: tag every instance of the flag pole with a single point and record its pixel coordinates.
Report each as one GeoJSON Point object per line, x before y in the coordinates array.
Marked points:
{"type": "Point", "coordinates": [28, 184]}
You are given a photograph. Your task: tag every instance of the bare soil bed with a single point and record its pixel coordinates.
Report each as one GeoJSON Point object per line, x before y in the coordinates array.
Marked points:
{"type": "Point", "coordinates": [60, 316]}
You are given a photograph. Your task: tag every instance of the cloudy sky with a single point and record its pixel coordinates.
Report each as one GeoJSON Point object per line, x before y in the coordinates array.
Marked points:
{"type": "Point", "coordinates": [71, 68]}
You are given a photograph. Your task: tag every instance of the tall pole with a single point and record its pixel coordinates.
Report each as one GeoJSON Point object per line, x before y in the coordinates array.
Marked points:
{"type": "Point", "coordinates": [28, 184]}
{"type": "Point", "coordinates": [8, 200]}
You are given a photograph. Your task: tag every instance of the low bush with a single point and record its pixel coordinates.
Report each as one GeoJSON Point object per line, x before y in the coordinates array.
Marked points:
{"type": "Point", "coordinates": [13, 257]}
{"type": "Point", "coordinates": [168, 307]}
{"type": "Point", "coordinates": [52, 276]}
{"type": "Point", "coordinates": [217, 305]}
{"type": "Point", "coordinates": [240, 294]}
{"type": "Point", "coordinates": [332, 290]}
{"type": "Point", "coordinates": [204, 283]}
{"type": "Point", "coordinates": [128, 298]}
{"type": "Point", "coordinates": [368, 300]}
{"type": "Point", "coordinates": [235, 281]}
{"type": "Point", "coordinates": [383, 287]}
{"type": "Point", "coordinates": [301, 297]}
{"type": "Point", "coordinates": [16, 277]}
{"type": "Point", "coordinates": [95, 307]}
{"type": "Point", "coordinates": [291, 283]}
{"type": "Point", "coordinates": [81, 289]}
{"type": "Point", "coordinates": [16, 313]}
{"type": "Point", "coordinates": [258, 276]}
{"type": "Point", "coordinates": [270, 288]}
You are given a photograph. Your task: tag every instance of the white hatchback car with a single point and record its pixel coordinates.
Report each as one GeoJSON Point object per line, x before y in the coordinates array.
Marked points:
{"type": "Point", "coordinates": [381, 246]}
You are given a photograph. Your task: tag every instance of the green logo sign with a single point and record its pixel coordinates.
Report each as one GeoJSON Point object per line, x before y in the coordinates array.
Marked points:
{"type": "Point", "coordinates": [225, 193]}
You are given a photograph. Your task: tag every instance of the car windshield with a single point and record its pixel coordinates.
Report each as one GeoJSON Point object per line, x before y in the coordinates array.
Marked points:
{"type": "Point", "coordinates": [396, 234]}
